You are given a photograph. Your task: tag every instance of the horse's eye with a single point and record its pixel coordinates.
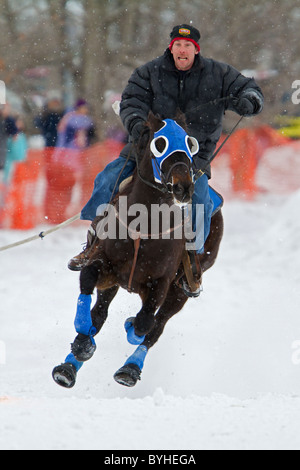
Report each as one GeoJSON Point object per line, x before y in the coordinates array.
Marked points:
{"type": "Point", "coordinates": [159, 146]}
{"type": "Point", "coordinates": [193, 145]}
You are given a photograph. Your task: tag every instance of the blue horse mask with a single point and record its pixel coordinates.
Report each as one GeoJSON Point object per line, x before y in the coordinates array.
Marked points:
{"type": "Point", "coordinates": [176, 140]}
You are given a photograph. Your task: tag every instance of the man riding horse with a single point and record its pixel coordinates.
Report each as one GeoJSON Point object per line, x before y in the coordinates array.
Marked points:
{"type": "Point", "coordinates": [181, 79]}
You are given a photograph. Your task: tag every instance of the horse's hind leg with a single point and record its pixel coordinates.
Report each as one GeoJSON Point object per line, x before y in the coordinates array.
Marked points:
{"type": "Point", "coordinates": [130, 373]}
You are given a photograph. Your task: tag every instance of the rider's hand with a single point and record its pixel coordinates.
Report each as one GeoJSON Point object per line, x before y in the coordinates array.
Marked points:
{"type": "Point", "coordinates": [137, 130]}
{"type": "Point", "coordinates": [243, 106]}
{"type": "Point", "coordinates": [248, 104]}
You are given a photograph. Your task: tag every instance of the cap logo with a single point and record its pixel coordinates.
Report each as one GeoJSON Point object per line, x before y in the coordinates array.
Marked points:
{"type": "Point", "coordinates": [184, 32]}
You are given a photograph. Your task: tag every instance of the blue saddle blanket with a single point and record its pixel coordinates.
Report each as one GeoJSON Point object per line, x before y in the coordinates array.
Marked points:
{"type": "Point", "coordinates": [217, 200]}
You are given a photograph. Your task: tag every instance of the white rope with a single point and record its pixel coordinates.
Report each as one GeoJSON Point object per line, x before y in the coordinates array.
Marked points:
{"type": "Point", "coordinates": [42, 235]}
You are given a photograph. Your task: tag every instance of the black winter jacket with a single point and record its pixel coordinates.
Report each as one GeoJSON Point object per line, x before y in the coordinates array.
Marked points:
{"type": "Point", "coordinates": [160, 87]}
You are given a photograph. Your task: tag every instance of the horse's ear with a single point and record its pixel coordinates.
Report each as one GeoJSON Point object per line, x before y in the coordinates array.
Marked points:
{"type": "Point", "coordinates": [180, 119]}
{"type": "Point", "coordinates": [154, 122]}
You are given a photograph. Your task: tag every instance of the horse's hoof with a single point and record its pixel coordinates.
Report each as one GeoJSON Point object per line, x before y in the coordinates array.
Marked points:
{"type": "Point", "coordinates": [128, 375]}
{"type": "Point", "coordinates": [83, 348]}
{"type": "Point", "coordinates": [65, 375]}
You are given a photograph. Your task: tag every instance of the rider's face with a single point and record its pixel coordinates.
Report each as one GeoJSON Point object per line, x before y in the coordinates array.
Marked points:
{"type": "Point", "coordinates": [184, 53]}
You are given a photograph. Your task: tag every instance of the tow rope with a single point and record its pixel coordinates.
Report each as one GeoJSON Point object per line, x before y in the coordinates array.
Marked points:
{"type": "Point", "coordinates": [42, 235]}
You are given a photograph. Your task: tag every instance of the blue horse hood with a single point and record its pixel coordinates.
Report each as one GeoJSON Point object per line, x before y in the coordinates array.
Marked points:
{"type": "Point", "coordinates": [177, 140]}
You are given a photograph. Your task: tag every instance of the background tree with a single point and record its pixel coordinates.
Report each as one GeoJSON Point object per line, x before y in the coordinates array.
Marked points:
{"type": "Point", "coordinates": [89, 48]}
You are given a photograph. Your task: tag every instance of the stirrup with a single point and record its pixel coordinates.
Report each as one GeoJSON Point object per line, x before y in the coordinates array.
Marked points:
{"type": "Point", "coordinates": [183, 284]}
{"type": "Point", "coordinates": [191, 283]}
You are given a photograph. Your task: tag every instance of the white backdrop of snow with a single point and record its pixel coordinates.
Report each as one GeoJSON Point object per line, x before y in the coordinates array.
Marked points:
{"type": "Point", "coordinates": [221, 376]}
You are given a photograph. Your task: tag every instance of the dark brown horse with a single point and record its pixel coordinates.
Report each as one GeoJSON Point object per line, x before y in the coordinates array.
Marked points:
{"type": "Point", "coordinates": [147, 260]}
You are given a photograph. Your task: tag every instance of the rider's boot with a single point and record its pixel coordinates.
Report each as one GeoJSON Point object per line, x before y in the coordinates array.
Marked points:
{"type": "Point", "coordinates": [80, 261]}
{"type": "Point", "coordinates": [194, 290]}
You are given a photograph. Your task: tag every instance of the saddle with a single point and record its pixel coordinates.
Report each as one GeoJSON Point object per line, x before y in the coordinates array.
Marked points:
{"type": "Point", "coordinates": [125, 183]}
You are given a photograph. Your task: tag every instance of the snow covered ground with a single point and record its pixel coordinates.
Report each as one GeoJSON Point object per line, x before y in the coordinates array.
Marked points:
{"type": "Point", "coordinates": [225, 374]}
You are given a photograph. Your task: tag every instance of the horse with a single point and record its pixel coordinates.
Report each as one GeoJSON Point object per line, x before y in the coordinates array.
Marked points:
{"type": "Point", "coordinates": [145, 261]}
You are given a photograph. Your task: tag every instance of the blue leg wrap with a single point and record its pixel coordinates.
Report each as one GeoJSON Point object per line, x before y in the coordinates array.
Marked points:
{"type": "Point", "coordinates": [71, 360]}
{"type": "Point", "coordinates": [132, 338]}
{"type": "Point", "coordinates": [83, 320]}
{"type": "Point", "coordinates": [138, 357]}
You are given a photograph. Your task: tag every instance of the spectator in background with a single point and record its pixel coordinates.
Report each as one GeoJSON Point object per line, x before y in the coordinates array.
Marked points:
{"type": "Point", "coordinates": [13, 148]}
{"type": "Point", "coordinates": [48, 120]}
{"type": "Point", "coordinates": [76, 132]}
{"type": "Point", "coordinates": [16, 145]}
{"type": "Point", "coordinates": [7, 129]}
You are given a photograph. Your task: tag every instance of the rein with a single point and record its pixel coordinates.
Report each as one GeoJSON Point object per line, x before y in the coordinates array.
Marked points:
{"type": "Point", "coordinates": [163, 188]}
{"type": "Point", "coordinates": [166, 178]}
{"type": "Point", "coordinates": [200, 173]}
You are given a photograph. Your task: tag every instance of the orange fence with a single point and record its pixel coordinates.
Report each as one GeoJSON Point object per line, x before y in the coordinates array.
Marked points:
{"type": "Point", "coordinates": [257, 160]}
{"type": "Point", "coordinates": [41, 190]}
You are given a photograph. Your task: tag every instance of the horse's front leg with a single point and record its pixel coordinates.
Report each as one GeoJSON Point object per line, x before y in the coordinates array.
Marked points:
{"type": "Point", "coordinates": [100, 310]}
{"type": "Point", "coordinates": [130, 373]}
{"type": "Point", "coordinates": [88, 324]}
{"type": "Point", "coordinates": [138, 329]}
{"type": "Point", "coordinates": [84, 345]}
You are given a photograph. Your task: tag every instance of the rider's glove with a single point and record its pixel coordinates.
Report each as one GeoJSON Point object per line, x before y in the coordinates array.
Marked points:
{"type": "Point", "coordinates": [137, 130]}
{"type": "Point", "coordinates": [249, 103]}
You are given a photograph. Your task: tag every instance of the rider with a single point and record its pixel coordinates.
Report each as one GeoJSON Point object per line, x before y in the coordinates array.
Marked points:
{"type": "Point", "coordinates": [180, 79]}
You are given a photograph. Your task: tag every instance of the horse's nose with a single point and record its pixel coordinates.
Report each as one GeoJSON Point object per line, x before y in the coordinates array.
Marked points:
{"type": "Point", "coordinates": [183, 192]}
